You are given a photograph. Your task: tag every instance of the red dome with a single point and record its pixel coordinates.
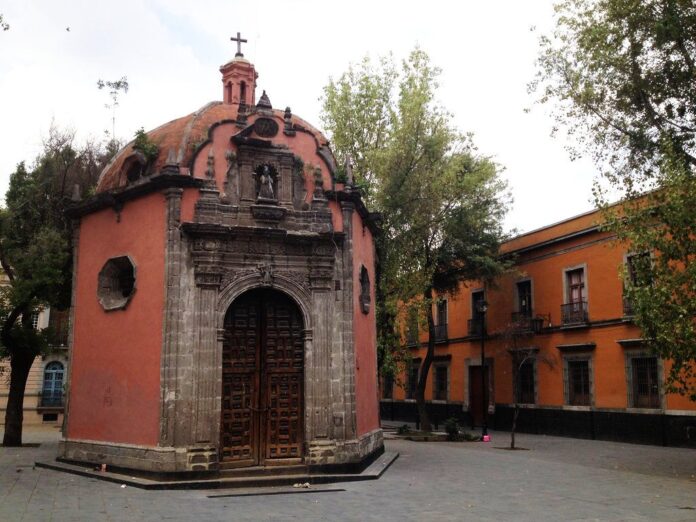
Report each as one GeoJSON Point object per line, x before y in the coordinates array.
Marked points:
{"type": "Point", "coordinates": [183, 136]}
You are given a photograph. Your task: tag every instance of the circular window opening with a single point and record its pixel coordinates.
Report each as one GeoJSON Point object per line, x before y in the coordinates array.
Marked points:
{"type": "Point", "coordinates": [116, 283]}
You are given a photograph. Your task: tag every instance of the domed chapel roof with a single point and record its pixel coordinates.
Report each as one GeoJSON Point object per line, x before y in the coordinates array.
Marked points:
{"type": "Point", "coordinates": [179, 140]}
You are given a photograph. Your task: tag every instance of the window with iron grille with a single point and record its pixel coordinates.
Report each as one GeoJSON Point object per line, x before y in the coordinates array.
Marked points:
{"type": "Point", "coordinates": [575, 280]}
{"type": "Point", "coordinates": [412, 327]}
{"type": "Point", "coordinates": [646, 387]}
{"type": "Point", "coordinates": [578, 382]}
{"type": "Point", "coordinates": [388, 387]}
{"type": "Point", "coordinates": [52, 391]}
{"type": "Point", "coordinates": [35, 320]}
{"type": "Point", "coordinates": [59, 322]}
{"type": "Point", "coordinates": [639, 269]}
{"type": "Point", "coordinates": [476, 323]}
{"type": "Point", "coordinates": [441, 383]}
{"type": "Point", "coordinates": [412, 381]}
{"type": "Point", "coordinates": [525, 392]}
{"type": "Point", "coordinates": [476, 299]}
{"type": "Point", "coordinates": [442, 312]}
{"type": "Point", "coordinates": [524, 298]}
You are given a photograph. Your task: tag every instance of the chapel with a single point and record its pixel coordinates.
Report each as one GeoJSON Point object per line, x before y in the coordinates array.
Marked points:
{"type": "Point", "coordinates": [223, 298]}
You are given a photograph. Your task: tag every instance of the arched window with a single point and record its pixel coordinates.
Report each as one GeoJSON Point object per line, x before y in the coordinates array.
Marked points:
{"type": "Point", "coordinates": [242, 92]}
{"type": "Point", "coordinates": [52, 393]}
{"type": "Point", "coordinates": [228, 92]}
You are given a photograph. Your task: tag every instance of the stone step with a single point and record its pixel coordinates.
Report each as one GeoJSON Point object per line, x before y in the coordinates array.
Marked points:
{"type": "Point", "coordinates": [227, 469]}
{"type": "Point", "coordinates": [229, 479]}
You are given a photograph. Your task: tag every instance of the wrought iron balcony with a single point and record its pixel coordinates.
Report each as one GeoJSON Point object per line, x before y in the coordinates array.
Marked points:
{"type": "Point", "coordinates": [440, 332]}
{"type": "Point", "coordinates": [51, 399]}
{"type": "Point", "coordinates": [627, 307]}
{"type": "Point", "coordinates": [474, 327]}
{"type": "Point", "coordinates": [412, 337]}
{"type": "Point", "coordinates": [523, 322]}
{"type": "Point", "coordinates": [574, 313]}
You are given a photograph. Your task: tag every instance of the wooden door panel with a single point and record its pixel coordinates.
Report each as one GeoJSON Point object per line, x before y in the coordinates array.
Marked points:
{"type": "Point", "coordinates": [284, 359]}
{"type": "Point", "coordinates": [263, 380]}
{"type": "Point", "coordinates": [237, 417]}
{"type": "Point", "coordinates": [239, 424]}
{"type": "Point", "coordinates": [284, 416]}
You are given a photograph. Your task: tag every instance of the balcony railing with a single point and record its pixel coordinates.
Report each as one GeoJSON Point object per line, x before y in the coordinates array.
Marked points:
{"type": "Point", "coordinates": [412, 338]}
{"type": "Point", "coordinates": [51, 399]}
{"type": "Point", "coordinates": [574, 313]}
{"type": "Point", "coordinates": [440, 332]}
{"type": "Point", "coordinates": [523, 322]}
{"type": "Point", "coordinates": [474, 327]}
{"type": "Point", "coordinates": [627, 306]}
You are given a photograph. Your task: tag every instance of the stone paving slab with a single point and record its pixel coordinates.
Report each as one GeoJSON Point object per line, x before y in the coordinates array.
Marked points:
{"type": "Point", "coordinates": [557, 479]}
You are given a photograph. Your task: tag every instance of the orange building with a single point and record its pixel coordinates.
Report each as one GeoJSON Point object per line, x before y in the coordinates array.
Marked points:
{"type": "Point", "coordinates": [560, 324]}
{"type": "Point", "coordinates": [222, 288]}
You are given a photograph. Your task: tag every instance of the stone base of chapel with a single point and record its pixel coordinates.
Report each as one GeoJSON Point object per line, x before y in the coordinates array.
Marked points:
{"type": "Point", "coordinates": [329, 455]}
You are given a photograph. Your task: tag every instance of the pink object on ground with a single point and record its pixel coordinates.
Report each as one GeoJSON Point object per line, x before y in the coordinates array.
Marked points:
{"type": "Point", "coordinates": [486, 438]}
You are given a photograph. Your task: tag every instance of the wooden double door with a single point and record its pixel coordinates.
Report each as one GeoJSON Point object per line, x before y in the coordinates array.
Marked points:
{"type": "Point", "coordinates": [262, 381]}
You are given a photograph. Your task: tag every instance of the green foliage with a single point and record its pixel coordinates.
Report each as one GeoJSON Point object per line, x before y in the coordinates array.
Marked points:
{"type": "Point", "coordinates": [441, 203]}
{"type": "Point", "coordinates": [358, 113]}
{"type": "Point", "coordinates": [35, 254]}
{"type": "Point", "coordinates": [143, 144]}
{"type": "Point", "coordinates": [661, 285]}
{"type": "Point", "coordinates": [340, 175]}
{"type": "Point", "coordinates": [452, 429]}
{"type": "Point", "coordinates": [403, 430]}
{"type": "Point", "coordinates": [115, 87]}
{"type": "Point", "coordinates": [621, 74]}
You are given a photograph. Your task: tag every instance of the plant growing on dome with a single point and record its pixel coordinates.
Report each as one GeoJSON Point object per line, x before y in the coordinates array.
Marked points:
{"type": "Point", "coordinates": [145, 145]}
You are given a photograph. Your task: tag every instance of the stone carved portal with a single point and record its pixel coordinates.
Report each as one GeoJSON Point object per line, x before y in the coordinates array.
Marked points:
{"type": "Point", "coordinates": [262, 381]}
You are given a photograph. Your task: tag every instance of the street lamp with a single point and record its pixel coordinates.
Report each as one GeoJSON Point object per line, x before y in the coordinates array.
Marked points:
{"type": "Point", "coordinates": [482, 308]}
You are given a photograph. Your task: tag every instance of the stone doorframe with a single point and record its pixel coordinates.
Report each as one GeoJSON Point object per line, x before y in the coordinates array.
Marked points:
{"type": "Point", "coordinates": [301, 298]}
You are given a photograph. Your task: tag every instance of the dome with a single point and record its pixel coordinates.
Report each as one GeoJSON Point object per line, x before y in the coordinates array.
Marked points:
{"type": "Point", "coordinates": [180, 139]}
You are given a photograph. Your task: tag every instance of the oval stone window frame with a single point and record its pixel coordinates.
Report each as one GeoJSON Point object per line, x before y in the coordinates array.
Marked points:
{"type": "Point", "coordinates": [116, 283]}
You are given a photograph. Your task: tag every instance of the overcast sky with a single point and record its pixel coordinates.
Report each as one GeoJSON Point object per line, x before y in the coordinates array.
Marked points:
{"type": "Point", "coordinates": [171, 51]}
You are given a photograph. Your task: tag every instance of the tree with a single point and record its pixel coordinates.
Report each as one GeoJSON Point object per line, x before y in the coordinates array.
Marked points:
{"type": "Point", "coordinates": [115, 88]}
{"type": "Point", "coordinates": [35, 255]}
{"type": "Point", "coordinates": [514, 338]}
{"type": "Point", "coordinates": [442, 204]}
{"type": "Point", "coordinates": [3, 24]}
{"type": "Point", "coordinates": [621, 75]}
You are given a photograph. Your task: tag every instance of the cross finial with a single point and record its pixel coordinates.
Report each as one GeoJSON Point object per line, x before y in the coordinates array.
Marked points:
{"type": "Point", "coordinates": [239, 41]}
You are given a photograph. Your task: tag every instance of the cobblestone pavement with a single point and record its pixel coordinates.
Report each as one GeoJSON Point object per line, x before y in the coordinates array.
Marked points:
{"type": "Point", "coordinates": [555, 479]}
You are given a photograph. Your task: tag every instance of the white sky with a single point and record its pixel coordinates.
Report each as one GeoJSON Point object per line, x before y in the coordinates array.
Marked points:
{"type": "Point", "coordinates": [171, 51]}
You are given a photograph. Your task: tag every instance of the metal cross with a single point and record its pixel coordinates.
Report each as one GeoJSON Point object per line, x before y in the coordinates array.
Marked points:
{"type": "Point", "coordinates": [239, 41]}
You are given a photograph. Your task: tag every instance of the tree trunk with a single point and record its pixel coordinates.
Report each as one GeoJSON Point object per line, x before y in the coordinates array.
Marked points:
{"type": "Point", "coordinates": [20, 364]}
{"type": "Point", "coordinates": [425, 367]}
{"type": "Point", "coordinates": [514, 426]}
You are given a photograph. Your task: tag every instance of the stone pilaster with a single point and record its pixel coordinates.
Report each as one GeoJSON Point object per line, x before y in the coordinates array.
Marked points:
{"type": "Point", "coordinates": [207, 363]}
{"type": "Point", "coordinates": [171, 325]}
{"type": "Point", "coordinates": [348, 348]}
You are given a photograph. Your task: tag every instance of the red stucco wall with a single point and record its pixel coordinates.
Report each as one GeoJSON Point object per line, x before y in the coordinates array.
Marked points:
{"type": "Point", "coordinates": [364, 332]}
{"type": "Point", "coordinates": [115, 372]}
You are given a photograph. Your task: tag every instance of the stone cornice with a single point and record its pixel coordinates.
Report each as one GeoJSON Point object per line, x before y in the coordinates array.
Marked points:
{"type": "Point", "coordinates": [116, 199]}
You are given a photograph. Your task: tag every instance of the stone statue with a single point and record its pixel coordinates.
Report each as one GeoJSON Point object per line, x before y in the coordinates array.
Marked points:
{"type": "Point", "coordinates": [266, 184]}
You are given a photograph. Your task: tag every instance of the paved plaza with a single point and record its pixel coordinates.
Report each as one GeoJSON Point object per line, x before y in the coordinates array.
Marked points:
{"type": "Point", "coordinates": [555, 479]}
